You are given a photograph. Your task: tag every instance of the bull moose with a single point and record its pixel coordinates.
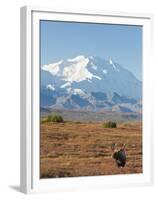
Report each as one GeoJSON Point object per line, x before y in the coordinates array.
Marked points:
{"type": "Point", "coordinates": [119, 155]}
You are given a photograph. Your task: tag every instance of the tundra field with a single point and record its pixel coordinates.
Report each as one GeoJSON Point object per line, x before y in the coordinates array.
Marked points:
{"type": "Point", "coordinates": [72, 149]}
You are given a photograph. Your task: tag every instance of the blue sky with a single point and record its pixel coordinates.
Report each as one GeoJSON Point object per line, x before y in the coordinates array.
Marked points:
{"type": "Point", "coordinates": [122, 43]}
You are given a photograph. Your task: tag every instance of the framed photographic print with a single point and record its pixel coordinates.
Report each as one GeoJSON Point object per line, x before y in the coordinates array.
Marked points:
{"type": "Point", "coordinates": [85, 99]}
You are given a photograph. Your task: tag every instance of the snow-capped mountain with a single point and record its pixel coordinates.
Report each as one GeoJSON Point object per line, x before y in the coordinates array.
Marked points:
{"type": "Point", "coordinates": [89, 82]}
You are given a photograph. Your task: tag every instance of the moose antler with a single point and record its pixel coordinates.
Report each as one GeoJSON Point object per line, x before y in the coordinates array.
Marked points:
{"type": "Point", "coordinates": [113, 146]}
{"type": "Point", "coordinates": [123, 146]}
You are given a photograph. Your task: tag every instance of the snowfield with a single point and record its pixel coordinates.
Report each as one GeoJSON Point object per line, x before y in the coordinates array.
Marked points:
{"type": "Point", "coordinates": [73, 80]}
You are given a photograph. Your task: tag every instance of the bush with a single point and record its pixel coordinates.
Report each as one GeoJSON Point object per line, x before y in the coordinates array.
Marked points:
{"type": "Point", "coordinates": [55, 118]}
{"type": "Point", "coordinates": [110, 124]}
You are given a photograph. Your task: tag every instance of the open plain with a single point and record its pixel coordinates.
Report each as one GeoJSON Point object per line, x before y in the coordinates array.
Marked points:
{"type": "Point", "coordinates": [72, 149]}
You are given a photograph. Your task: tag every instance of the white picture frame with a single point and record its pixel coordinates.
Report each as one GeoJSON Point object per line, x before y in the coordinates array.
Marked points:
{"type": "Point", "coordinates": [30, 176]}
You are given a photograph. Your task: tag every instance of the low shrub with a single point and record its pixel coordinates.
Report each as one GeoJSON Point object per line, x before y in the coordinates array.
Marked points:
{"type": "Point", "coordinates": [55, 118]}
{"type": "Point", "coordinates": [110, 124]}
{"type": "Point", "coordinates": [43, 120]}
{"type": "Point", "coordinates": [78, 122]}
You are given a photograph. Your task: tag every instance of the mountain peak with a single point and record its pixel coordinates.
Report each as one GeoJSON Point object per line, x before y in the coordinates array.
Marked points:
{"type": "Point", "coordinates": [76, 59]}
{"type": "Point", "coordinates": [53, 68]}
{"type": "Point", "coordinates": [91, 73]}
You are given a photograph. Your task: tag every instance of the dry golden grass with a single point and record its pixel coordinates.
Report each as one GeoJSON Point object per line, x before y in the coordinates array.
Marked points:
{"type": "Point", "coordinates": [84, 149]}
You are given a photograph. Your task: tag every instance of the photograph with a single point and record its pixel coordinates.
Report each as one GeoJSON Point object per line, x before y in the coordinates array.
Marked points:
{"type": "Point", "coordinates": [91, 99]}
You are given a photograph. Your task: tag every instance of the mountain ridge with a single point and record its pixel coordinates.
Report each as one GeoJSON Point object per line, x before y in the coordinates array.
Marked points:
{"type": "Point", "coordinates": [87, 83]}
